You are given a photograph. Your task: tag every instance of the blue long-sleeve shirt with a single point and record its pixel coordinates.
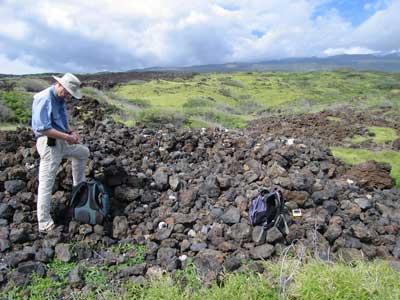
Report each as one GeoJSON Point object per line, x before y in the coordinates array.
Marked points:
{"type": "Point", "coordinates": [49, 111]}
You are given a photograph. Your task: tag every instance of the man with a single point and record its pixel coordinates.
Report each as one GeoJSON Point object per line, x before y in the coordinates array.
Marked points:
{"type": "Point", "coordinates": [56, 140]}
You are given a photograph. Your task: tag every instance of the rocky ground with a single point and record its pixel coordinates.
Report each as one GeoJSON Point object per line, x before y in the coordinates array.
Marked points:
{"type": "Point", "coordinates": [184, 195]}
{"type": "Point", "coordinates": [108, 80]}
{"type": "Point", "coordinates": [330, 127]}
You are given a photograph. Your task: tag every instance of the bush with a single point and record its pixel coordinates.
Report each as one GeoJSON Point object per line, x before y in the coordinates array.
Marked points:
{"type": "Point", "coordinates": [232, 82]}
{"type": "Point", "coordinates": [389, 85]}
{"type": "Point", "coordinates": [218, 117]}
{"type": "Point", "coordinates": [6, 114]}
{"type": "Point", "coordinates": [141, 103]}
{"type": "Point", "coordinates": [20, 104]}
{"type": "Point", "coordinates": [200, 101]}
{"type": "Point", "coordinates": [248, 107]}
{"type": "Point", "coordinates": [224, 91]}
{"type": "Point", "coordinates": [33, 85]}
{"type": "Point", "coordinates": [159, 118]}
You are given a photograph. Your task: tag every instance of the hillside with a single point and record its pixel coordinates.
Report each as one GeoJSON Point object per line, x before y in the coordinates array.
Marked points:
{"type": "Point", "coordinates": [366, 62]}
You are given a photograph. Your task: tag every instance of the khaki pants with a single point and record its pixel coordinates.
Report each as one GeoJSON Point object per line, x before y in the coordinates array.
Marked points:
{"type": "Point", "coordinates": [50, 159]}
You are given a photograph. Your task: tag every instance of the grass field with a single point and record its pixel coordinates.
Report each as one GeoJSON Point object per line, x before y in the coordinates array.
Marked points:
{"type": "Point", "coordinates": [289, 279]}
{"type": "Point", "coordinates": [243, 96]}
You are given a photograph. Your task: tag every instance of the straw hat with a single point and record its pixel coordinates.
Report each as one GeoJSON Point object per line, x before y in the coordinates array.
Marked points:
{"type": "Point", "coordinates": [71, 83]}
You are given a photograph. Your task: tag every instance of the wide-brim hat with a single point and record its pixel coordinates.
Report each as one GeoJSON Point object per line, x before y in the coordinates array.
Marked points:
{"type": "Point", "coordinates": [71, 83]}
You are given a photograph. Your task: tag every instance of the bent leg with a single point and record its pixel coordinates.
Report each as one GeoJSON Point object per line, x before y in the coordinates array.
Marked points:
{"type": "Point", "coordinates": [79, 155]}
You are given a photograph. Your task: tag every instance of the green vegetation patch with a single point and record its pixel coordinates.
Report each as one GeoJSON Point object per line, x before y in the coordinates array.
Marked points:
{"type": "Point", "coordinates": [288, 279]}
{"type": "Point", "coordinates": [364, 281]}
{"type": "Point", "coordinates": [248, 94]}
{"type": "Point", "coordinates": [356, 156]}
{"type": "Point", "coordinates": [40, 288]}
{"type": "Point", "coordinates": [383, 134]}
{"type": "Point", "coordinates": [33, 85]}
{"type": "Point", "coordinates": [378, 135]}
{"type": "Point", "coordinates": [20, 103]}
{"type": "Point", "coordinates": [334, 119]}
{"type": "Point", "coordinates": [135, 254]}
{"type": "Point", "coordinates": [8, 126]}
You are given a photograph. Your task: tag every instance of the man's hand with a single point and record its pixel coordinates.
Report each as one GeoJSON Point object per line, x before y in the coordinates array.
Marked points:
{"type": "Point", "coordinates": [72, 139]}
{"type": "Point", "coordinates": [77, 136]}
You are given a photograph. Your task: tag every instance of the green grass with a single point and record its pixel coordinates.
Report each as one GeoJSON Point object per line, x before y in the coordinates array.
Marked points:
{"type": "Point", "coordinates": [334, 119]}
{"type": "Point", "coordinates": [356, 156]}
{"type": "Point", "coordinates": [383, 134]}
{"type": "Point", "coordinates": [233, 98]}
{"type": "Point", "coordinates": [8, 126]}
{"type": "Point", "coordinates": [314, 279]}
{"type": "Point", "coordinates": [380, 135]}
{"type": "Point", "coordinates": [186, 284]}
{"type": "Point", "coordinates": [20, 103]}
{"type": "Point", "coordinates": [245, 95]}
{"type": "Point", "coordinates": [364, 281]}
{"type": "Point", "coordinates": [40, 288]}
{"type": "Point", "coordinates": [138, 251]}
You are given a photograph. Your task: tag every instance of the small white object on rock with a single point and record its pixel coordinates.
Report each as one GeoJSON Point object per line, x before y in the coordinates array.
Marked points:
{"type": "Point", "coordinates": [205, 229]}
{"type": "Point", "coordinates": [349, 181]}
{"type": "Point", "coordinates": [290, 142]}
{"type": "Point", "coordinates": [191, 233]}
{"type": "Point", "coordinates": [183, 257]}
{"type": "Point", "coordinates": [162, 225]}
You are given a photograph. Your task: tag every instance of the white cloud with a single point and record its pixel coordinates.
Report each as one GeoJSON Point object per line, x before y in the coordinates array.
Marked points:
{"type": "Point", "coordinates": [79, 35]}
{"type": "Point", "coordinates": [18, 66]}
{"type": "Point", "coordinates": [351, 50]}
{"type": "Point", "coordinates": [381, 31]}
{"type": "Point", "coordinates": [11, 27]}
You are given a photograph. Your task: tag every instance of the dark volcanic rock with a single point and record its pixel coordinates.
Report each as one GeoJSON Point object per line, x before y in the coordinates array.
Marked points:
{"type": "Point", "coordinates": [63, 252]}
{"type": "Point", "coordinates": [183, 195]}
{"type": "Point", "coordinates": [372, 175]}
{"type": "Point", "coordinates": [262, 252]}
{"type": "Point", "coordinates": [239, 232]}
{"type": "Point", "coordinates": [14, 186]}
{"type": "Point", "coordinates": [231, 216]}
{"type": "Point", "coordinates": [120, 227]}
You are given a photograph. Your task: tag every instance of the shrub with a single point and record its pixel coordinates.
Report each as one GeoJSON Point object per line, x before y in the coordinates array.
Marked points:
{"type": "Point", "coordinates": [20, 103]}
{"type": "Point", "coordinates": [33, 85]}
{"type": "Point", "coordinates": [158, 118]}
{"type": "Point", "coordinates": [232, 82]}
{"type": "Point", "coordinates": [218, 117]}
{"type": "Point", "coordinates": [390, 85]}
{"type": "Point", "coordinates": [224, 91]}
{"type": "Point", "coordinates": [200, 101]}
{"type": "Point", "coordinates": [6, 114]}
{"type": "Point", "coordinates": [248, 107]}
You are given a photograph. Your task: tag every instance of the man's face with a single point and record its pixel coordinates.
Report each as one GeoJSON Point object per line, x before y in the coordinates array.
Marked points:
{"type": "Point", "coordinates": [63, 93]}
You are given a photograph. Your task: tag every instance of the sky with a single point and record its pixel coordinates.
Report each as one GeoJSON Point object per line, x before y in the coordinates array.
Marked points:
{"type": "Point", "coordinates": [116, 35]}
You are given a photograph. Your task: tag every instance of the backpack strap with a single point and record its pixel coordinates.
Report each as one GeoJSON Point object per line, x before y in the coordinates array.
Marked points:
{"type": "Point", "coordinates": [279, 217]}
{"type": "Point", "coordinates": [77, 189]}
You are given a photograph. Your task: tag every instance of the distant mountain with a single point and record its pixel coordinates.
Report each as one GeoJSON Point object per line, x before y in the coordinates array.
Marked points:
{"type": "Point", "coordinates": [365, 62]}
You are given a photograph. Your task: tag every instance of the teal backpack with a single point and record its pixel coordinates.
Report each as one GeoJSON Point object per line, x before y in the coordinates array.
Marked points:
{"type": "Point", "coordinates": [89, 202]}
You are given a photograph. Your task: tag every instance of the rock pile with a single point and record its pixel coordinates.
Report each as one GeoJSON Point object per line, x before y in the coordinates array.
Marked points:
{"type": "Point", "coordinates": [185, 194]}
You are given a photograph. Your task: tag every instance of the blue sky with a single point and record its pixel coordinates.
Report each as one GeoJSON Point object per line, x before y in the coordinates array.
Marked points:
{"type": "Point", "coordinates": [115, 35]}
{"type": "Point", "coordinates": [354, 11]}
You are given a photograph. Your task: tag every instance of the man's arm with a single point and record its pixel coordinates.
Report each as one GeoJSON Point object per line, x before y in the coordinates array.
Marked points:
{"type": "Point", "coordinates": [56, 134]}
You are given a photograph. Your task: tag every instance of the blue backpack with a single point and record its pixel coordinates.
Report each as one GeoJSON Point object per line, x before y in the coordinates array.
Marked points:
{"type": "Point", "coordinates": [268, 209]}
{"type": "Point", "coordinates": [89, 202]}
